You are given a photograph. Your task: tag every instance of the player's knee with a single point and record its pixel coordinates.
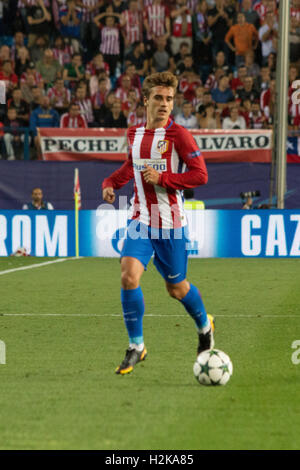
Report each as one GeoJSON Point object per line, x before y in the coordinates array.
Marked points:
{"type": "Point", "coordinates": [174, 292]}
{"type": "Point", "coordinates": [129, 280]}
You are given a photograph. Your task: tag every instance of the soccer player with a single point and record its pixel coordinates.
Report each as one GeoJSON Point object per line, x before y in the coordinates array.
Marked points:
{"type": "Point", "coordinates": [159, 152]}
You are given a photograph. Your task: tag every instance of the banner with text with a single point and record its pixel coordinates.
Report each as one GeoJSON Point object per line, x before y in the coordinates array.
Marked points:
{"type": "Point", "coordinates": [111, 144]}
{"type": "Point", "coordinates": [211, 233]}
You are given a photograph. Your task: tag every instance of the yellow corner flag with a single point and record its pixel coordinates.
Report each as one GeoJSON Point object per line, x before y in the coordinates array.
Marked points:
{"type": "Point", "coordinates": [77, 198]}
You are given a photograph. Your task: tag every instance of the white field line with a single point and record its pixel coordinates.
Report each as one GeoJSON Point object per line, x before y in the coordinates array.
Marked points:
{"type": "Point", "coordinates": [120, 315]}
{"type": "Point", "coordinates": [37, 265]}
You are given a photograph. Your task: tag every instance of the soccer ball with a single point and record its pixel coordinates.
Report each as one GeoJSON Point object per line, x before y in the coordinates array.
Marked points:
{"type": "Point", "coordinates": [213, 367]}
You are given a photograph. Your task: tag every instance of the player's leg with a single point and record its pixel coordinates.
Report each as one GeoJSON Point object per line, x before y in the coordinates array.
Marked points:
{"type": "Point", "coordinates": [171, 261]}
{"type": "Point", "coordinates": [191, 299]}
{"type": "Point", "coordinates": [135, 256]}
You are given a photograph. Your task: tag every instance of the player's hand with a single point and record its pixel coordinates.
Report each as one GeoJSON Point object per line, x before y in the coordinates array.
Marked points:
{"type": "Point", "coordinates": [151, 176]}
{"type": "Point", "coordinates": [109, 195]}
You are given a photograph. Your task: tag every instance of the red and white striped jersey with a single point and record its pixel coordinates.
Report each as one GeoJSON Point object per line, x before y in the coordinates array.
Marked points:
{"type": "Point", "coordinates": [72, 122]}
{"type": "Point", "coordinates": [87, 16]}
{"type": "Point", "coordinates": [133, 28]}
{"type": "Point", "coordinates": [63, 56]}
{"type": "Point", "coordinates": [110, 41]}
{"type": "Point", "coordinates": [156, 17]}
{"type": "Point", "coordinates": [86, 108]}
{"type": "Point", "coordinates": [261, 10]}
{"type": "Point", "coordinates": [295, 13]}
{"type": "Point", "coordinates": [170, 150]}
{"type": "Point", "coordinates": [177, 27]}
{"type": "Point", "coordinates": [36, 75]}
{"type": "Point", "coordinates": [122, 94]}
{"type": "Point", "coordinates": [134, 120]}
{"type": "Point", "coordinates": [62, 97]}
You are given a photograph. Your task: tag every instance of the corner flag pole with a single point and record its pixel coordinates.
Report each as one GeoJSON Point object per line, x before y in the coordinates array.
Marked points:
{"type": "Point", "coordinates": [77, 197]}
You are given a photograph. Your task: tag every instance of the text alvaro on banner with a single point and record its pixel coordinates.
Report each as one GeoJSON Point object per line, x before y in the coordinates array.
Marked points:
{"type": "Point", "coordinates": [111, 144]}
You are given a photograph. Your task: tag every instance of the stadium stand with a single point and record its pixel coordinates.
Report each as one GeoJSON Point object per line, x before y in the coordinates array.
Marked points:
{"type": "Point", "coordinates": [96, 53]}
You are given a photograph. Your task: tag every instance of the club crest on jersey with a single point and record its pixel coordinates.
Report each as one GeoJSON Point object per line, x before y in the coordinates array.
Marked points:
{"type": "Point", "coordinates": [162, 146]}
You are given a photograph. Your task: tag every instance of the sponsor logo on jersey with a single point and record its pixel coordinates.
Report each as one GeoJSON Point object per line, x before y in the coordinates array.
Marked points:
{"type": "Point", "coordinates": [162, 146]}
{"type": "Point", "coordinates": [158, 164]}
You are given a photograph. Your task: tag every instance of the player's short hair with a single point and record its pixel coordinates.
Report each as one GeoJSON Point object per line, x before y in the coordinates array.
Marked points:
{"type": "Point", "coordinates": [166, 79]}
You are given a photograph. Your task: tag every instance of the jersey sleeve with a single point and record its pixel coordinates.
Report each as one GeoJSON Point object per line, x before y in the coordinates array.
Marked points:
{"type": "Point", "coordinates": [190, 154]}
{"type": "Point", "coordinates": [122, 175]}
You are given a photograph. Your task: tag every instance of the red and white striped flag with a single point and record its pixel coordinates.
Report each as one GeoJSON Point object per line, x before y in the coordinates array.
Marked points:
{"type": "Point", "coordinates": [77, 189]}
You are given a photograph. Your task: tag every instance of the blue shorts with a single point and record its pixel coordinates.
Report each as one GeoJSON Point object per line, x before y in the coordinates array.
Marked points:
{"type": "Point", "coordinates": [170, 248]}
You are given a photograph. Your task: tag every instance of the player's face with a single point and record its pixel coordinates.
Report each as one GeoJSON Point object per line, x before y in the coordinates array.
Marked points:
{"type": "Point", "coordinates": [159, 105]}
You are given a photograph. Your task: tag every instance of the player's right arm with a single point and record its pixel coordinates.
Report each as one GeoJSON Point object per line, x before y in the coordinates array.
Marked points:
{"type": "Point", "coordinates": [117, 180]}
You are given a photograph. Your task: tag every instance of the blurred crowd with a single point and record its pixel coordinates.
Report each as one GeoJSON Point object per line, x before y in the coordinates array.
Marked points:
{"type": "Point", "coordinates": [81, 63]}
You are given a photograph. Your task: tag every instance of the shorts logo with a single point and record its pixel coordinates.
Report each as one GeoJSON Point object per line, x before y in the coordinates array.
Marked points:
{"type": "Point", "coordinates": [162, 146]}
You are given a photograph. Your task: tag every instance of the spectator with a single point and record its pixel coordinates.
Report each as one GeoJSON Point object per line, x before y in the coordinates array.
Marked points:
{"type": "Point", "coordinates": [187, 119]}
{"type": "Point", "coordinates": [156, 23]}
{"type": "Point", "coordinates": [36, 98]}
{"type": "Point", "coordinates": [202, 37]}
{"type": "Point", "coordinates": [74, 71]}
{"type": "Point", "coordinates": [62, 51]}
{"type": "Point", "coordinates": [188, 83]}
{"type": "Point", "coordinates": [263, 79]}
{"type": "Point", "coordinates": [102, 113]}
{"type": "Point", "coordinates": [123, 90]}
{"type": "Point", "coordinates": [116, 118]}
{"type": "Point", "coordinates": [13, 139]}
{"type": "Point", "coordinates": [5, 54]}
{"type": "Point", "coordinates": [60, 96]}
{"type": "Point", "coordinates": [178, 103]}
{"type": "Point", "coordinates": [110, 41]}
{"type": "Point", "coordinates": [137, 117]}
{"type": "Point", "coordinates": [214, 77]}
{"type": "Point", "coordinates": [21, 107]}
{"type": "Point", "coordinates": [186, 65]}
{"type": "Point", "coordinates": [38, 48]}
{"type": "Point", "coordinates": [96, 65]}
{"type": "Point", "coordinates": [220, 62]}
{"type": "Point", "coordinates": [134, 77]}
{"type": "Point", "coordinates": [22, 61]}
{"type": "Point", "coordinates": [39, 21]}
{"type": "Point", "coordinates": [267, 100]}
{"type": "Point", "coordinates": [8, 76]}
{"type": "Point", "coordinates": [234, 121]}
{"type": "Point", "coordinates": [251, 15]}
{"type": "Point", "coordinates": [98, 99]}
{"type": "Point", "coordinates": [237, 83]}
{"type": "Point", "coordinates": [42, 116]}
{"type": "Point", "coordinates": [131, 23]}
{"type": "Point", "coordinates": [182, 30]}
{"type": "Point", "coordinates": [268, 34]}
{"type": "Point", "coordinates": [94, 82]}
{"type": "Point", "coordinates": [73, 119]}
{"type": "Point", "coordinates": [161, 58]}
{"type": "Point", "coordinates": [180, 56]}
{"type": "Point", "coordinates": [257, 119]}
{"type": "Point", "coordinates": [70, 16]}
{"type": "Point", "coordinates": [219, 19]}
{"type": "Point", "coordinates": [18, 42]}
{"type": "Point", "coordinates": [49, 68]}
{"type": "Point", "coordinates": [261, 8]}
{"type": "Point", "coordinates": [31, 71]}
{"type": "Point", "coordinates": [138, 58]}
{"type": "Point", "coordinates": [248, 92]}
{"type": "Point", "coordinates": [88, 29]}
{"type": "Point", "coordinates": [37, 202]}
{"type": "Point", "coordinates": [294, 39]}
{"type": "Point", "coordinates": [253, 69]}
{"type": "Point", "coordinates": [222, 95]}
{"type": "Point", "coordinates": [85, 105]}
{"type": "Point", "coordinates": [198, 98]}
{"type": "Point", "coordinates": [244, 37]}
{"type": "Point", "coordinates": [208, 117]}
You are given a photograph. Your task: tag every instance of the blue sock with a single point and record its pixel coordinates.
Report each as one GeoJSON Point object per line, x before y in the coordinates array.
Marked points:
{"type": "Point", "coordinates": [195, 307]}
{"type": "Point", "coordinates": [133, 312]}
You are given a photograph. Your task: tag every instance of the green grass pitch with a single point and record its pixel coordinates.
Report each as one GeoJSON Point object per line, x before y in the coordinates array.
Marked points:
{"type": "Point", "coordinates": [64, 336]}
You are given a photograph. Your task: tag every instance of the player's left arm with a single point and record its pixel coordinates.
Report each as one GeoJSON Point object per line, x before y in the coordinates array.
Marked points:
{"type": "Point", "coordinates": [190, 154]}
